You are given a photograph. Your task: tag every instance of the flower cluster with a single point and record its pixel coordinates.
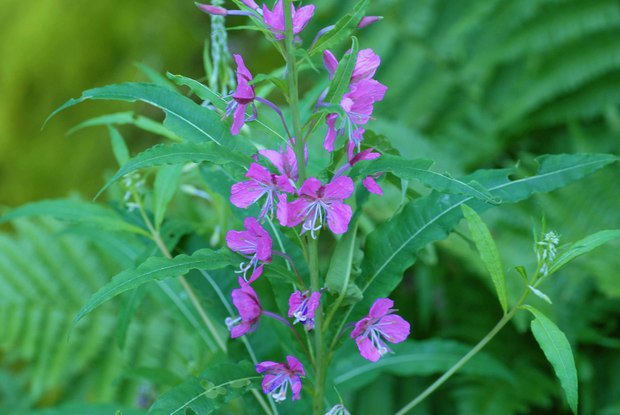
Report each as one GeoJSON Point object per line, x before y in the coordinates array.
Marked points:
{"type": "Point", "coordinates": [276, 182]}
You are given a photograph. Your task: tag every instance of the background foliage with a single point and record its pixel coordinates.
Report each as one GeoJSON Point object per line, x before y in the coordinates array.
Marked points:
{"type": "Point", "coordinates": [472, 84]}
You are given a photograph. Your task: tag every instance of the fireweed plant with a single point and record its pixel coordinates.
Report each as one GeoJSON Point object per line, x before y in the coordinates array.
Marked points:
{"type": "Point", "coordinates": [311, 285]}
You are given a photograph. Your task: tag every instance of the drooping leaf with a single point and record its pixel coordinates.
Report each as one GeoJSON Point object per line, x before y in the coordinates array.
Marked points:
{"type": "Point", "coordinates": [179, 153]}
{"type": "Point", "coordinates": [218, 385]}
{"type": "Point", "coordinates": [488, 253]}
{"type": "Point", "coordinates": [415, 358]}
{"type": "Point", "coordinates": [154, 269]}
{"type": "Point", "coordinates": [391, 248]}
{"type": "Point", "coordinates": [77, 212]}
{"type": "Point", "coordinates": [119, 148]}
{"type": "Point", "coordinates": [583, 246]}
{"type": "Point", "coordinates": [557, 349]}
{"type": "Point", "coordinates": [184, 117]}
{"type": "Point", "coordinates": [341, 30]}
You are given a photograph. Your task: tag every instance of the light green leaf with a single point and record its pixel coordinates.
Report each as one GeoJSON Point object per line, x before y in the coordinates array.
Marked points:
{"type": "Point", "coordinates": [488, 253]}
{"type": "Point", "coordinates": [200, 90]}
{"type": "Point", "coordinates": [119, 148]}
{"type": "Point", "coordinates": [154, 269]}
{"type": "Point", "coordinates": [342, 77]}
{"type": "Point", "coordinates": [77, 212]}
{"type": "Point", "coordinates": [179, 153]}
{"type": "Point", "coordinates": [184, 117]}
{"type": "Point", "coordinates": [557, 350]}
{"type": "Point", "coordinates": [341, 30]}
{"type": "Point", "coordinates": [164, 188]}
{"type": "Point", "coordinates": [218, 385]}
{"type": "Point", "coordinates": [583, 246]}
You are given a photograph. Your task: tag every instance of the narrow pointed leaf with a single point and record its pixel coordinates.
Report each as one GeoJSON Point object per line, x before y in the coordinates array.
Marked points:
{"type": "Point", "coordinates": [128, 118]}
{"type": "Point", "coordinates": [119, 148]}
{"type": "Point", "coordinates": [164, 188]}
{"type": "Point", "coordinates": [488, 253]}
{"type": "Point", "coordinates": [583, 246]}
{"type": "Point", "coordinates": [179, 153]}
{"type": "Point", "coordinates": [557, 349]}
{"type": "Point", "coordinates": [342, 77]}
{"type": "Point", "coordinates": [210, 391]}
{"type": "Point", "coordinates": [184, 117]}
{"type": "Point", "coordinates": [155, 269]}
{"type": "Point", "coordinates": [391, 248]}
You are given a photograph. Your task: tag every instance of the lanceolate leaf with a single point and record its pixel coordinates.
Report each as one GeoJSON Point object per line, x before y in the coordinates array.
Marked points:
{"type": "Point", "coordinates": [582, 247]}
{"type": "Point", "coordinates": [209, 392]}
{"type": "Point", "coordinates": [128, 117]}
{"type": "Point", "coordinates": [179, 153]}
{"type": "Point", "coordinates": [488, 253]}
{"type": "Point", "coordinates": [164, 188]}
{"type": "Point", "coordinates": [419, 169]}
{"type": "Point", "coordinates": [415, 358]}
{"type": "Point", "coordinates": [154, 269]}
{"type": "Point", "coordinates": [119, 148]}
{"type": "Point", "coordinates": [342, 29]}
{"type": "Point", "coordinates": [184, 117]}
{"type": "Point", "coordinates": [557, 350]}
{"type": "Point", "coordinates": [391, 248]}
{"type": "Point", "coordinates": [342, 77]}
{"type": "Point", "coordinates": [75, 211]}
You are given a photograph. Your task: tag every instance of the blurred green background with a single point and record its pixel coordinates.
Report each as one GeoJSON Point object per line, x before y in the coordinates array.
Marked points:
{"type": "Point", "coordinates": [472, 84]}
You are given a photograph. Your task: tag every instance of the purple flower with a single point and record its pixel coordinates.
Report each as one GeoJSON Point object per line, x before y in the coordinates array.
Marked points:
{"type": "Point", "coordinates": [262, 182]}
{"type": "Point", "coordinates": [247, 303]}
{"type": "Point", "coordinates": [278, 377]}
{"type": "Point", "coordinates": [317, 203]}
{"type": "Point", "coordinates": [285, 161]}
{"type": "Point", "coordinates": [254, 243]}
{"type": "Point", "coordinates": [366, 64]}
{"type": "Point", "coordinates": [368, 182]}
{"type": "Point", "coordinates": [302, 306]}
{"type": "Point", "coordinates": [243, 96]}
{"type": "Point", "coordinates": [379, 325]}
{"type": "Point", "coordinates": [216, 10]}
{"type": "Point", "coordinates": [368, 20]}
{"type": "Point", "coordinates": [275, 19]}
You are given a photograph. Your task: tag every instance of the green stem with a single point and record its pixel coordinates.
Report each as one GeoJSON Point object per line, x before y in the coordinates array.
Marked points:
{"type": "Point", "coordinates": [293, 89]}
{"type": "Point", "coordinates": [320, 356]}
{"type": "Point", "coordinates": [443, 378]}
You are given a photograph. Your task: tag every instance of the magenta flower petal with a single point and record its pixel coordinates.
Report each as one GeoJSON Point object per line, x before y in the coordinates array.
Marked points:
{"type": "Point", "coordinates": [254, 243]}
{"type": "Point", "coordinates": [367, 349]}
{"type": "Point", "coordinates": [340, 188]}
{"type": "Point", "coordinates": [279, 376]}
{"type": "Point", "coordinates": [259, 173]}
{"type": "Point", "coordinates": [295, 211]}
{"type": "Point", "coordinates": [330, 62]}
{"type": "Point", "coordinates": [372, 186]}
{"type": "Point", "coordinates": [258, 271]}
{"type": "Point", "coordinates": [301, 17]}
{"type": "Point", "coordinates": [310, 187]}
{"type": "Point", "coordinates": [243, 73]}
{"type": "Point", "coordinates": [330, 137]}
{"type": "Point", "coordinates": [368, 20]}
{"type": "Point", "coordinates": [282, 210]}
{"type": "Point", "coordinates": [380, 307]}
{"type": "Point", "coordinates": [252, 5]}
{"type": "Point", "coordinates": [249, 308]}
{"type": "Point", "coordinates": [295, 365]}
{"type": "Point", "coordinates": [366, 65]}
{"type": "Point", "coordinates": [338, 217]}
{"type": "Point", "coordinates": [275, 19]}
{"type": "Point", "coordinates": [238, 119]}
{"type": "Point", "coordinates": [394, 328]}
{"type": "Point", "coordinates": [302, 306]}
{"type": "Point", "coordinates": [244, 194]}
{"type": "Point", "coordinates": [215, 10]}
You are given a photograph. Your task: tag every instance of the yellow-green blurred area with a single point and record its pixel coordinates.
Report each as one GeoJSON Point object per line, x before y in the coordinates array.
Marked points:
{"type": "Point", "coordinates": [51, 51]}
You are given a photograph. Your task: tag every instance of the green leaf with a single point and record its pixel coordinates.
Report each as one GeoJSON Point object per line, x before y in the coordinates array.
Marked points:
{"type": "Point", "coordinates": [184, 117]}
{"type": "Point", "coordinates": [418, 169]}
{"type": "Point", "coordinates": [415, 358]}
{"type": "Point", "coordinates": [119, 148]}
{"type": "Point", "coordinates": [341, 263]}
{"type": "Point", "coordinates": [200, 90]}
{"type": "Point", "coordinates": [164, 188]}
{"type": "Point", "coordinates": [85, 408]}
{"type": "Point", "coordinates": [179, 153]}
{"type": "Point", "coordinates": [77, 212]}
{"type": "Point", "coordinates": [583, 246]}
{"type": "Point", "coordinates": [557, 350]}
{"type": "Point", "coordinates": [128, 118]}
{"type": "Point", "coordinates": [341, 30]}
{"type": "Point", "coordinates": [391, 247]}
{"type": "Point", "coordinates": [215, 387]}
{"type": "Point", "coordinates": [488, 253]}
{"type": "Point", "coordinates": [342, 77]}
{"type": "Point", "coordinates": [155, 269]}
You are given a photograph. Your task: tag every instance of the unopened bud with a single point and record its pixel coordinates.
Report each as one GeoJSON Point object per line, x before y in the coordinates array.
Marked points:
{"type": "Point", "coordinates": [216, 10]}
{"type": "Point", "coordinates": [368, 20]}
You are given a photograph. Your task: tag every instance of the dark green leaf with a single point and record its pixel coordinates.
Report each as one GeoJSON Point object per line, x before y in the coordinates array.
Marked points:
{"type": "Point", "coordinates": [557, 350]}
{"type": "Point", "coordinates": [164, 188]}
